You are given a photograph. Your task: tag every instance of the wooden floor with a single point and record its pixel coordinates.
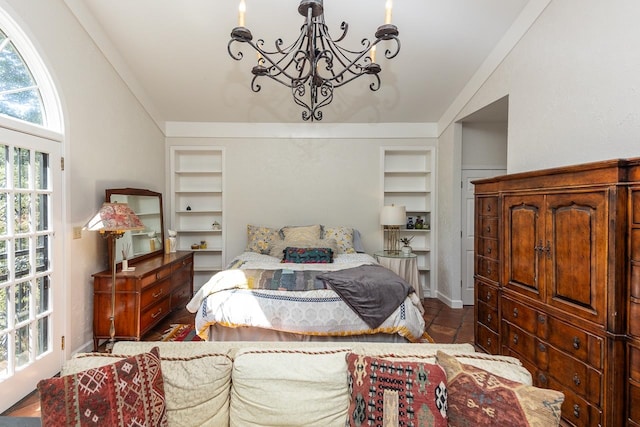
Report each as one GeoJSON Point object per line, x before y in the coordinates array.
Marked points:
{"type": "Point", "coordinates": [444, 325]}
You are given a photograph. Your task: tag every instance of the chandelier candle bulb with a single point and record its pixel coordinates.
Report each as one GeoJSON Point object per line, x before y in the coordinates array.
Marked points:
{"type": "Point", "coordinates": [387, 15]}
{"type": "Point", "coordinates": [242, 8]}
{"type": "Point", "coordinates": [372, 54]}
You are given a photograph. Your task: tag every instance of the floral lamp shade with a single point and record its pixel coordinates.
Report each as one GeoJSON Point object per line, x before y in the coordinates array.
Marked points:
{"type": "Point", "coordinates": [114, 217]}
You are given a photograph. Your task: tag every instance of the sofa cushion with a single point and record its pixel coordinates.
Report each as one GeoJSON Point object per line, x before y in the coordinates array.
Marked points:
{"type": "Point", "coordinates": [196, 379]}
{"type": "Point", "coordinates": [479, 397]}
{"type": "Point", "coordinates": [126, 392]}
{"type": "Point", "coordinates": [289, 388]}
{"type": "Point", "coordinates": [395, 392]}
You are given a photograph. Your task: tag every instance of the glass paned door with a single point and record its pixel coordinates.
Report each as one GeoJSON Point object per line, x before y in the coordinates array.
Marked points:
{"type": "Point", "coordinates": [30, 213]}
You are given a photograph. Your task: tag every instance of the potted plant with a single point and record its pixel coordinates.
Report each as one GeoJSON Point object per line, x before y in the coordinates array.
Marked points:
{"type": "Point", "coordinates": [406, 249]}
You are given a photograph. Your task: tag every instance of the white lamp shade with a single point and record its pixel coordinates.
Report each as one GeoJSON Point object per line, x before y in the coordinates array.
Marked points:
{"type": "Point", "coordinates": [393, 215]}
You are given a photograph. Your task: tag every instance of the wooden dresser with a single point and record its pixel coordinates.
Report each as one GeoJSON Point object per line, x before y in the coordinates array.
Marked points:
{"type": "Point", "coordinates": [144, 296]}
{"type": "Point", "coordinates": [557, 283]}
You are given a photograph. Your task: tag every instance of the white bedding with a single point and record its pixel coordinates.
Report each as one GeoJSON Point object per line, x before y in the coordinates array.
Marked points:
{"type": "Point", "coordinates": [227, 300]}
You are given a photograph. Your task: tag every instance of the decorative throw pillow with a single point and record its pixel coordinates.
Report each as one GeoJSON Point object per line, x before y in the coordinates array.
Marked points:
{"type": "Point", "coordinates": [302, 233]}
{"type": "Point", "coordinates": [344, 237]}
{"type": "Point", "coordinates": [128, 392]}
{"type": "Point", "coordinates": [260, 239]}
{"type": "Point", "coordinates": [389, 392]}
{"type": "Point", "coordinates": [278, 247]}
{"type": "Point", "coordinates": [478, 397]}
{"type": "Point", "coordinates": [308, 255]}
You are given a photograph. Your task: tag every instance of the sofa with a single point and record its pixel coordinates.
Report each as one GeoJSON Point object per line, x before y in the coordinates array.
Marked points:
{"type": "Point", "coordinates": [312, 384]}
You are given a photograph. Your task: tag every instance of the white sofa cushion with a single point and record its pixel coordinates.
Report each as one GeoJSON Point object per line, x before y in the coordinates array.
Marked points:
{"type": "Point", "coordinates": [289, 388]}
{"type": "Point", "coordinates": [196, 380]}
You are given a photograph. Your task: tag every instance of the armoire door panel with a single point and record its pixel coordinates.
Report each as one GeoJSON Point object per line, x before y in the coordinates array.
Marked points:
{"type": "Point", "coordinates": [576, 261]}
{"type": "Point", "coordinates": [522, 234]}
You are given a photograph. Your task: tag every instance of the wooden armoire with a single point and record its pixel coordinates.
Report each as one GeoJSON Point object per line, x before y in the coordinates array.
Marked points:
{"type": "Point", "coordinates": [557, 283]}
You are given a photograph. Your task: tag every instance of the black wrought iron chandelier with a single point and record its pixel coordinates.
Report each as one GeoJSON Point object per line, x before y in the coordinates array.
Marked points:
{"type": "Point", "coordinates": [314, 65]}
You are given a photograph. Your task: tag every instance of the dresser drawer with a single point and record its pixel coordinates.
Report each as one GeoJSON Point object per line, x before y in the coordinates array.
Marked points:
{"type": "Point", "coordinates": [155, 293]}
{"type": "Point", "coordinates": [519, 341]}
{"type": "Point", "coordinates": [180, 297]}
{"type": "Point", "coordinates": [488, 206]}
{"type": "Point", "coordinates": [153, 314]}
{"type": "Point", "coordinates": [488, 316]}
{"type": "Point", "coordinates": [576, 410]}
{"type": "Point", "coordinates": [488, 248]}
{"type": "Point", "coordinates": [488, 227]}
{"type": "Point", "coordinates": [575, 375]}
{"type": "Point", "coordinates": [520, 315]}
{"type": "Point", "coordinates": [488, 268]}
{"type": "Point", "coordinates": [156, 275]}
{"type": "Point", "coordinates": [574, 341]}
{"type": "Point", "coordinates": [181, 277]}
{"type": "Point", "coordinates": [487, 339]}
{"type": "Point", "coordinates": [487, 294]}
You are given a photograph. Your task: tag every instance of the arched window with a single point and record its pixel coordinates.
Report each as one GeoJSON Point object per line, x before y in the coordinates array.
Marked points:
{"type": "Point", "coordinates": [19, 93]}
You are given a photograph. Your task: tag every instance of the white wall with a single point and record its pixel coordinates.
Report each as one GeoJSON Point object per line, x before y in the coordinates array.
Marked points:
{"type": "Point", "coordinates": [573, 83]}
{"type": "Point", "coordinates": [109, 142]}
{"type": "Point", "coordinates": [296, 181]}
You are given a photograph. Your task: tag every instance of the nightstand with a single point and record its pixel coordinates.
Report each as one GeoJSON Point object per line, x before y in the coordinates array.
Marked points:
{"type": "Point", "coordinates": [405, 266]}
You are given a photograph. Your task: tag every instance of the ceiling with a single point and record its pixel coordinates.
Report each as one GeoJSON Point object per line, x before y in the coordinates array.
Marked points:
{"type": "Point", "coordinates": [173, 55]}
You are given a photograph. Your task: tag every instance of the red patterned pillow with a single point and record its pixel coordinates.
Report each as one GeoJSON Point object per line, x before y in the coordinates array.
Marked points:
{"type": "Point", "coordinates": [388, 392]}
{"type": "Point", "coordinates": [478, 397]}
{"type": "Point", "coordinates": [128, 392]}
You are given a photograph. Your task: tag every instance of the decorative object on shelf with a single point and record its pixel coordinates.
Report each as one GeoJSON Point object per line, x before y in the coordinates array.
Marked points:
{"type": "Point", "coordinates": [216, 226]}
{"type": "Point", "coordinates": [419, 223]}
{"type": "Point", "coordinates": [195, 246]}
{"type": "Point", "coordinates": [310, 65]}
{"type": "Point", "coordinates": [391, 218]}
{"type": "Point", "coordinates": [188, 208]}
{"type": "Point", "coordinates": [410, 224]}
{"type": "Point", "coordinates": [112, 220]}
{"type": "Point", "coordinates": [173, 241]}
{"type": "Point", "coordinates": [203, 244]}
{"type": "Point", "coordinates": [406, 249]}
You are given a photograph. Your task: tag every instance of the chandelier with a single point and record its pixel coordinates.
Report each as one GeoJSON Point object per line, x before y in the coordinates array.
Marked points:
{"type": "Point", "coordinates": [314, 65]}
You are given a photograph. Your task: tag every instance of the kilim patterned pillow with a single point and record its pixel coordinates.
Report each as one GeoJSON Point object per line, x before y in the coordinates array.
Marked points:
{"type": "Point", "coordinates": [126, 393]}
{"type": "Point", "coordinates": [308, 255]}
{"type": "Point", "coordinates": [478, 397]}
{"type": "Point", "coordinates": [391, 393]}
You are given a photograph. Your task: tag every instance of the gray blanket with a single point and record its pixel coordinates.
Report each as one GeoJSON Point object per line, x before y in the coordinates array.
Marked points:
{"type": "Point", "coordinates": [372, 291]}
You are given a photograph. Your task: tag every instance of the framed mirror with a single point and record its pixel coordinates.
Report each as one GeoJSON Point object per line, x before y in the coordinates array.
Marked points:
{"type": "Point", "coordinates": [147, 204]}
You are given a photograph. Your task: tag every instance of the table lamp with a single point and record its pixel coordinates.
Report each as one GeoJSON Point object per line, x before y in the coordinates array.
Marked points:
{"type": "Point", "coordinates": [112, 220]}
{"type": "Point", "coordinates": [391, 218]}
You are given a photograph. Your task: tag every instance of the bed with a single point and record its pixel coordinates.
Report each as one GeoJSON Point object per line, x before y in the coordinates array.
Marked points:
{"type": "Point", "coordinates": [262, 296]}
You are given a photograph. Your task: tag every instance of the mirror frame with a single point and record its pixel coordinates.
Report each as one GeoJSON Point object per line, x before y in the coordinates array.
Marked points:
{"type": "Point", "coordinates": [140, 192]}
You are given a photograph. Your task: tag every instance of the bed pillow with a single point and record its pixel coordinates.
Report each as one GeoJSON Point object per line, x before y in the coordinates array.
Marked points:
{"type": "Point", "coordinates": [478, 397]}
{"type": "Point", "coordinates": [308, 255]}
{"type": "Point", "coordinates": [394, 392]}
{"type": "Point", "coordinates": [302, 233]}
{"type": "Point", "coordinates": [278, 247]}
{"type": "Point", "coordinates": [343, 236]}
{"type": "Point", "coordinates": [260, 239]}
{"type": "Point", "coordinates": [127, 392]}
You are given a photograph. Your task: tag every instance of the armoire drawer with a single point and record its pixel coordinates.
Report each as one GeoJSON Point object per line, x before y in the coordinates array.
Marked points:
{"type": "Point", "coordinates": [488, 206]}
{"type": "Point", "coordinates": [488, 268]}
{"type": "Point", "coordinates": [488, 316]}
{"type": "Point", "coordinates": [487, 294]}
{"type": "Point", "coordinates": [487, 339]}
{"type": "Point", "coordinates": [488, 227]}
{"type": "Point", "coordinates": [573, 374]}
{"type": "Point", "coordinates": [574, 341]}
{"type": "Point", "coordinates": [519, 341]}
{"type": "Point", "coordinates": [576, 410]}
{"type": "Point", "coordinates": [520, 315]}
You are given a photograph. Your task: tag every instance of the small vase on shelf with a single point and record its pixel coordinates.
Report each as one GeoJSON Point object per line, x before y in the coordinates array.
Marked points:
{"type": "Point", "coordinates": [406, 250]}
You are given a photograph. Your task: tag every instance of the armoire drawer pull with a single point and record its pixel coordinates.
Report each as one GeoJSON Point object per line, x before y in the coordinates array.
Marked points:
{"type": "Point", "coordinates": [515, 312]}
{"type": "Point", "coordinates": [488, 250]}
{"type": "Point", "coordinates": [488, 342]}
{"type": "Point", "coordinates": [576, 411]}
{"type": "Point", "coordinates": [489, 317]}
{"type": "Point", "coordinates": [576, 343]}
{"type": "Point", "coordinates": [488, 229]}
{"type": "Point", "coordinates": [516, 338]}
{"type": "Point", "coordinates": [488, 296]}
{"type": "Point", "coordinates": [542, 348]}
{"type": "Point", "coordinates": [542, 378]}
{"type": "Point", "coordinates": [576, 379]}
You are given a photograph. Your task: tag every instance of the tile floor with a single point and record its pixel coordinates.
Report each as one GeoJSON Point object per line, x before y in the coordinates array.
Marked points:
{"type": "Point", "coordinates": [444, 325]}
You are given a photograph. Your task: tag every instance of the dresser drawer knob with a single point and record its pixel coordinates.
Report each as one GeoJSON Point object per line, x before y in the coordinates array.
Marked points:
{"type": "Point", "coordinates": [576, 411]}
{"type": "Point", "coordinates": [157, 313]}
{"type": "Point", "coordinates": [576, 343]}
{"type": "Point", "coordinates": [516, 338]}
{"type": "Point", "coordinates": [542, 378]}
{"type": "Point", "coordinates": [157, 294]}
{"type": "Point", "coordinates": [576, 379]}
{"type": "Point", "coordinates": [515, 312]}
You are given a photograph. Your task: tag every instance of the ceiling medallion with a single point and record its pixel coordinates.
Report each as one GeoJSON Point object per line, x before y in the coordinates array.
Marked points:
{"type": "Point", "coordinates": [314, 65]}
